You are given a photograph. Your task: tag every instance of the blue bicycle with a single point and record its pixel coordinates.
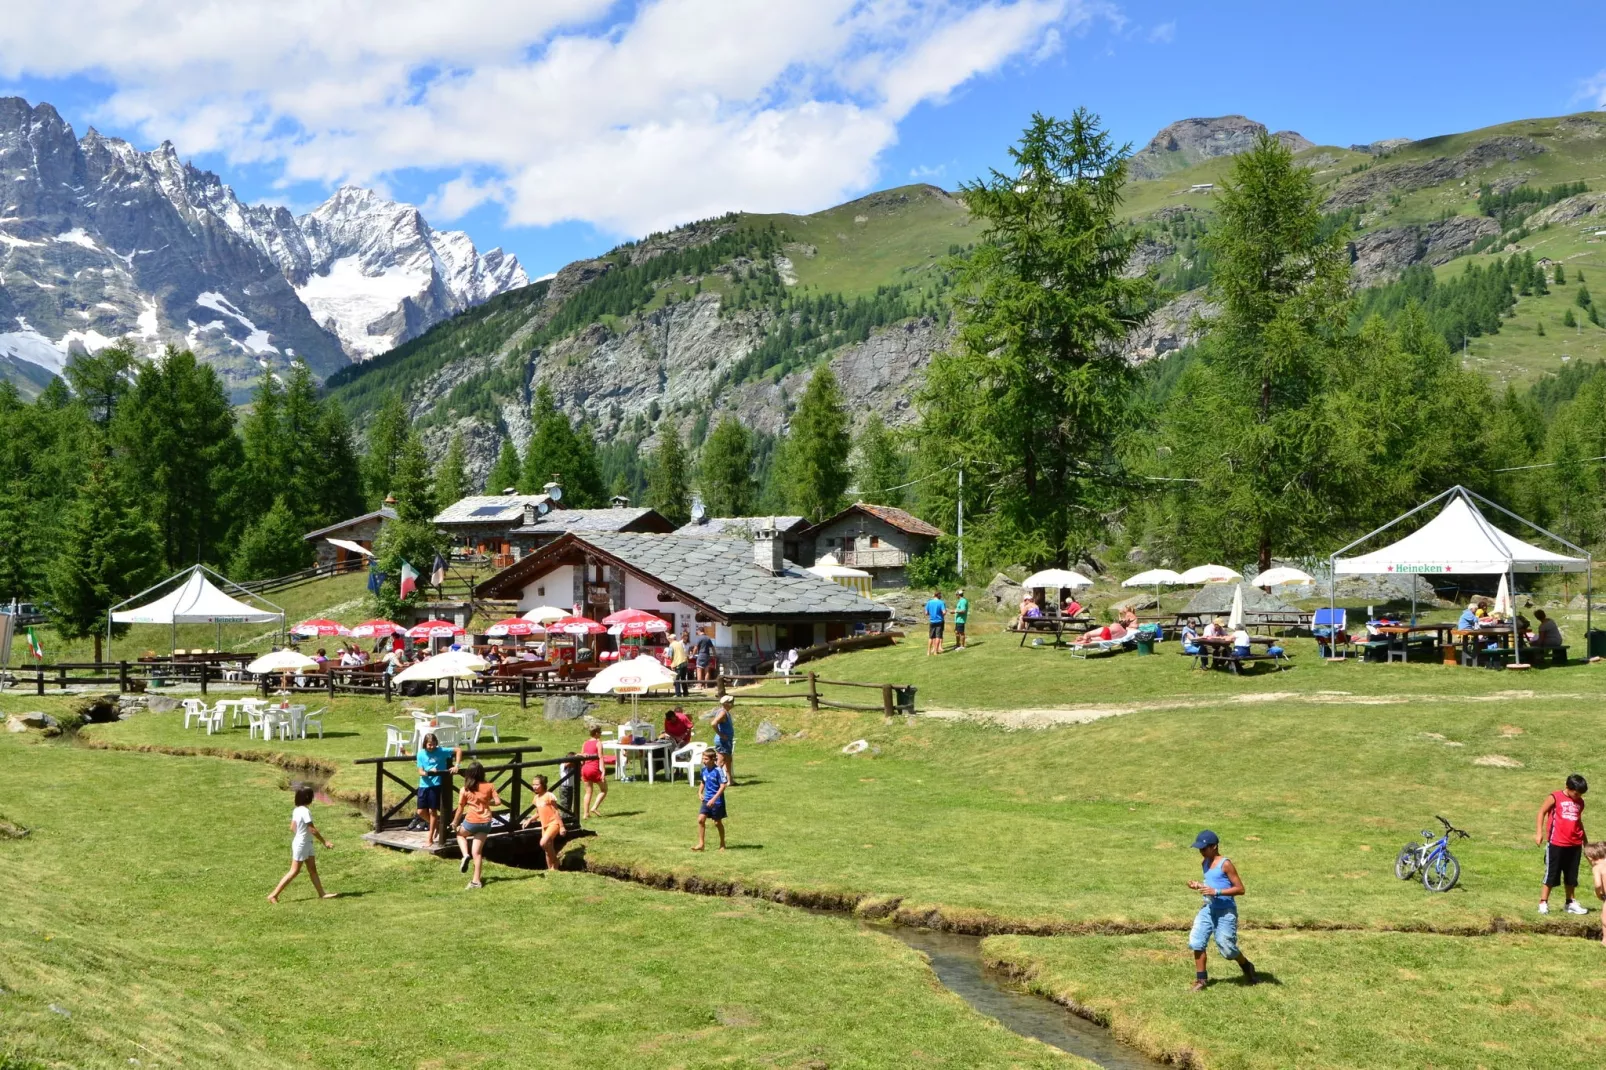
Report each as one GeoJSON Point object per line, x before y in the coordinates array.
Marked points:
{"type": "Point", "coordinates": [1432, 859]}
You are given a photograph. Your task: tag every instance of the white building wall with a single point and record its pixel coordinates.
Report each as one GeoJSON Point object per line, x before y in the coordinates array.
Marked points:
{"type": "Point", "coordinates": [556, 588]}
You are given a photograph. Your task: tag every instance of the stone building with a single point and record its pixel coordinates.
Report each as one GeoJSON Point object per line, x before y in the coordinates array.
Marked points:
{"type": "Point", "coordinates": [876, 538]}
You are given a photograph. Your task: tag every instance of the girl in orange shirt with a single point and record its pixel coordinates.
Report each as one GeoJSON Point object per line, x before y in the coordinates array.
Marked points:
{"type": "Point", "coordinates": [473, 818]}
{"type": "Point", "coordinates": [546, 812]}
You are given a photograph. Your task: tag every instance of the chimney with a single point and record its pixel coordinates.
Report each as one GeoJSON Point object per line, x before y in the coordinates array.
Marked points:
{"type": "Point", "coordinates": [620, 501]}
{"type": "Point", "coordinates": [768, 550]}
{"type": "Point", "coordinates": [530, 514]}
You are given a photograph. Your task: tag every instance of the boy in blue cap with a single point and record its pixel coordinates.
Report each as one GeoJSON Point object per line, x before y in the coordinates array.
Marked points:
{"type": "Point", "coordinates": [1218, 916]}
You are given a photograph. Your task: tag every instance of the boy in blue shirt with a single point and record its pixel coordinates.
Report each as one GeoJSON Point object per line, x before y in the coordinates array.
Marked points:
{"type": "Point", "coordinates": [716, 778]}
{"type": "Point", "coordinates": [433, 760]}
{"type": "Point", "coordinates": [936, 611]}
{"type": "Point", "coordinates": [1218, 916]}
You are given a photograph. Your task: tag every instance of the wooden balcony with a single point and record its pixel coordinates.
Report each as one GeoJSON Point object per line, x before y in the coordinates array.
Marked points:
{"type": "Point", "coordinates": [882, 558]}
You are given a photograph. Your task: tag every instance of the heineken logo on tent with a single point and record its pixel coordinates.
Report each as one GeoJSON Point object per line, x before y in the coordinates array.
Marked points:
{"type": "Point", "coordinates": [1419, 568]}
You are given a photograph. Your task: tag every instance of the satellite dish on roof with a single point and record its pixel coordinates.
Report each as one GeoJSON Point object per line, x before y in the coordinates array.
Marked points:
{"type": "Point", "coordinates": [697, 510]}
{"type": "Point", "coordinates": [543, 508]}
{"type": "Point", "coordinates": [555, 492]}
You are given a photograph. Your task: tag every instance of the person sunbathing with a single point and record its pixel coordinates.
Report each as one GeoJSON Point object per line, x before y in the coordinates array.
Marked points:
{"type": "Point", "coordinates": [1109, 633]}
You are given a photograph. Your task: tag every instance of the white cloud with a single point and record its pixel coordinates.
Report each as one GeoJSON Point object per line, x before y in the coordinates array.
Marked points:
{"type": "Point", "coordinates": [1594, 90]}
{"type": "Point", "coordinates": [1163, 34]}
{"type": "Point", "coordinates": [629, 117]}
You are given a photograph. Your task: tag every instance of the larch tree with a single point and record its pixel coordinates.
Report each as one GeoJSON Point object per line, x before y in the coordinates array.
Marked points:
{"type": "Point", "coordinates": [725, 470]}
{"type": "Point", "coordinates": [386, 433]}
{"type": "Point", "coordinates": [879, 466]}
{"type": "Point", "coordinates": [816, 472]}
{"type": "Point", "coordinates": [669, 476]}
{"type": "Point", "coordinates": [505, 472]}
{"type": "Point", "coordinates": [451, 474]}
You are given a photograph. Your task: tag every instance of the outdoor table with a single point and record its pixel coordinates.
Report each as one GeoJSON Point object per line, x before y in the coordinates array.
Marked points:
{"type": "Point", "coordinates": [1398, 636]}
{"type": "Point", "coordinates": [237, 708]}
{"type": "Point", "coordinates": [648, 750]}
{"type": "Point", "coordinates": [1472, 651]}
{"type": "Point", "coordinates": [1214, 644]}
{"type": "Point", "coordinates": [1055, 623]}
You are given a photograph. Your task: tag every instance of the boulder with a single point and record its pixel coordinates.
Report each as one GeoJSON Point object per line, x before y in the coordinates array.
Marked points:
{"type": "Point", "coordinates": [1135, 603]}
{"type": "Point", "coordinates": [26, 722]}
{"type": "Point", "coordinates": [1137, 555]}
{"type": "Point", "coordinates": [160, 703]}
{"type": "Point", "coordinates": [1004, 592]}
{"type": "Point", "coordinates": [566, 707]}
{"type": "Point", "coordinates": [1215, 599]}
{"type": "Point", "coordinates": [768, 732]}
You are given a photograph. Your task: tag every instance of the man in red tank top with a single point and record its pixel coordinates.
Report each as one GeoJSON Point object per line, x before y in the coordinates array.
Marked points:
{"type": "Point", "coordinates": [1560, 832]}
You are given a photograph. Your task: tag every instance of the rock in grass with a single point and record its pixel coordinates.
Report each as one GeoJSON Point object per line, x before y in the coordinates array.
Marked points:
{"type": "Point", "coordinates": [566, 707]}
{"type": "Point", "coordinates": [56, 1008]}
{"type": "Point", "coordinates": [768, 732]}
{"type": "Point", "coordinates": [24, 722]}
{"type": "Point", "coordinates": [160, 703]}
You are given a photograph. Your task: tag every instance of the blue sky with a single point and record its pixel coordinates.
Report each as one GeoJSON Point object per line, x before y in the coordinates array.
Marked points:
{"type": "Point", "coordinates": [557, 129]}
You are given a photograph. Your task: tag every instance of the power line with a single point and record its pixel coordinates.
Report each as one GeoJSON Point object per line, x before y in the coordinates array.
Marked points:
{"type": "Point", "coordinates": [1550, 464]}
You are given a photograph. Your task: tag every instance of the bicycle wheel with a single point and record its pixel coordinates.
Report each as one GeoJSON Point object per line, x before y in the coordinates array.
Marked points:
{"type": "Point", "coordinates": [1409, 863]}
{"type": "Point", "coordinates": [1442, 873]}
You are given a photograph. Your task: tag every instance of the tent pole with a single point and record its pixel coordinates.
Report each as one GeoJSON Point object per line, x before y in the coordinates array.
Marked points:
{"type": "Point", "coordinates": [1332, 607]}
{"type": "Point", "coordinates": [1516, 630]}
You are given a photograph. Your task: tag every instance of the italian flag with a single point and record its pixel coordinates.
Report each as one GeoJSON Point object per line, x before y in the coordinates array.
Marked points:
{"type": "Point", "coordinates": [409, 580]}
{"type": "Point", "coordinates": [35, 651]}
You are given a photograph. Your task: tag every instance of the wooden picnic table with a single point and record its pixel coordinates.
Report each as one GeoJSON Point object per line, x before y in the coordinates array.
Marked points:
{"type": "Point", "coordinates": [1216, 651]}
{"type": "Point", "coordinates": [1399, 636]}
{"type": "Point", "coordinates": [1473, 653]}
{"type": "Point", "coordinates": [1057, 623]}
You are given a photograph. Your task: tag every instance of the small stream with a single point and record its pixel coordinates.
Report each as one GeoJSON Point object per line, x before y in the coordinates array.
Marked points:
{"type": "Point", "coordinates": [956, 960]}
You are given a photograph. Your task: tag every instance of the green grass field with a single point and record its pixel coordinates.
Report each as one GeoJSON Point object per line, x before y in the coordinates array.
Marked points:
{"type": "Point", "coordinates": [1313, 777]}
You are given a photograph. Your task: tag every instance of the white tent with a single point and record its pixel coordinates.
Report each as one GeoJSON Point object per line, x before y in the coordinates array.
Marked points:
{"type": "Point", "coordinates": [195, 601]}
{"type": "Point", "coordinates": [1461, 541]}
{"type": "Point", "coordinates": [853, 578]}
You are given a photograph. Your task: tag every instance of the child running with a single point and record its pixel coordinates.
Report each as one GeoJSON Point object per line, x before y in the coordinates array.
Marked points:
{"type": "Point", "coordinates": [1596, 853]}
{"type": "Point", "coordinates": [302, 853]}
{"type": "Point", "coordinates": [551, 818]}
{"type": "Point", "coordinates": [1218, 916]}
{"type": "Point", "coordinates": [1560, 831]}
{"type": "Point", "coordinates": [592, 773]}
{"type": "Point", "coordinates": [473, 819]}
{"type": "Point", "coordinates": [716, 778]}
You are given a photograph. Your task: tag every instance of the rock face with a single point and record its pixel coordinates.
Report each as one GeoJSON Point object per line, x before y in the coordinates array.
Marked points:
{"type": "Point", "coordinates": [1171, 327]}
{"type": "Point", "coordinates": [99, 240]}
{"type": "Point", "coordinates": [1360, 189]}
{"type": "Point", "coordinates": [1216, 599]}
{"type": "Point", "coordinates": [1585, 208]}
{"type": "Point", "coordinates": [1381, 254]}
{"type": "Point", "coordinates": [1192, 140]}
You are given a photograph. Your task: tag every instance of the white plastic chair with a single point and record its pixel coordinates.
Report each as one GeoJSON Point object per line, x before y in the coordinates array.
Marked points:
{"type": "Point", "coordinates": [487, 723]}
{"type": "Point", "coordinates": [213, 719]}
{"type": "Point", "coordinates": [195, 708]}
{"type": "Point", "coordinates": [446, 736]}
{"type": "Point", "coordinates": [689, 758]}
{"type": "Point", "coordinates": [313, 720]}
{"type": "Point", "coordinates": [396, 740]}
{"type": "Point", "coordinates": [257, 720]}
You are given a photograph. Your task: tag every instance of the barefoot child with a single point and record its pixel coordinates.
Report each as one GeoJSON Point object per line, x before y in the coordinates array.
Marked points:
{"type": "Point", "coordinates": [716, 778]}
{"type": "Point", "coordinates": [1218, 916]}
{"type": "Point", "coordinates": [1596, 853]}
{"type": "Point", "coordinates": [473, 818]}
{"type": "Point", "coordinates": [546, 812]}
{"type": "Point", "coordinates": [1560, 832]}
{"type": "Point", "coordinates": [302, 853]}
{"type": "Point", "coordinates": [592, 772]}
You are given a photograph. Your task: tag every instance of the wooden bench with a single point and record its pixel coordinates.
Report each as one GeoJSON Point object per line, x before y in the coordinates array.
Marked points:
{"type": "Point", "coordinates": [1234, 663]}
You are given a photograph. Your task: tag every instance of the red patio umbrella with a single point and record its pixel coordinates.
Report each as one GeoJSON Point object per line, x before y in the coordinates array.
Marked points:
{"type": "Point", "coordinates": [631, 616]}
{"type": "Point", "coordinates": [319, 626]}
{"type": "Point", "coordinates": [576, 626]}
{"type": "Point", "coordinates": [377, 629]}
{"type": "Point", "coordinates": [514, 626]}
{"type": "Point", "coordinates": [434, 629]}
{"type": "Point", "coordinates": [638, 629]}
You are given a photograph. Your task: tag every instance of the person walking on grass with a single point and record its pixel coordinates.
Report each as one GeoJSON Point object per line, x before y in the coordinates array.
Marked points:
{"type": "Point", "coordinates": [302, 853]}
{"type": "Point", "coordinates": [546, 812]}
{"type": "Point", "coordinates": [1560, 831]}
{"type": "Point", "coordinates": [702, 650]}
{"type": "Point", "coordinates": [725, 731]}
{"type": "Point", "coordinates": [433, 760]}
{"type": "Point", "coordinates": [1218, 917]}
{"type": "Point", "coordinates": [592, 773]}
{"type": "Point", "coordinates": [716, 778]}
{"type": "Point", "coordinates": [936, 613]}
{"type": "Point", "coordinates": [961, 612]}
{"type": "Point", "coordinates": [473, 819]}
{"type": "Point", "coordinates": [680, 662]}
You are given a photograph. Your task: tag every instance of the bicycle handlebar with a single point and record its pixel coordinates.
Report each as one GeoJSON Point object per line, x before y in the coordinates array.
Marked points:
{"type": "Point", "coordinates": [1448, 828]}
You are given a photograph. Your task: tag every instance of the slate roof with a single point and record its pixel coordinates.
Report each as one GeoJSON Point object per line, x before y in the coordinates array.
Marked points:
{"type": "Point", "coordinates": [588, 520]}
{"type": "Point", "coordinates": [387, 513]}
{"type": "Point", "coordinates": [896, 517]}
{"type": "Point", "coordinates": [740, 526]}
{"type": "Point", "coordinates": [488, 509]}
{"type": "Point", "coordinates": [717, 575]}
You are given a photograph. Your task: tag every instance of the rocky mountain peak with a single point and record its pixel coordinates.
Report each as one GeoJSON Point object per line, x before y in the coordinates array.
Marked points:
{"type": "Point", "coordinates": [1189, 141]}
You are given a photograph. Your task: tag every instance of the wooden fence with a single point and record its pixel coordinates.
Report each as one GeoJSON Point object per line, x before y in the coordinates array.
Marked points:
{"type": "Point", "coordinates": [895, 698]}
{"type": "Point", "coordinates": [509, 778]}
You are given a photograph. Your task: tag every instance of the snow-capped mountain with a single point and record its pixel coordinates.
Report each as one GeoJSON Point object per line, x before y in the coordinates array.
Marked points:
{"type": "Point", "coordinates": [99, 240]}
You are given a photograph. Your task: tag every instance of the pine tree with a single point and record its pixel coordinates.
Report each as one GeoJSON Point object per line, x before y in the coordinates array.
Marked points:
{"type": "Point", "coordinates": [19, 549]}
{"type": "Point", "coordinates": [505, 472]}
{"type": "Point", "coordinates": [1539, 328]}
{"type": "Point", "coordinates": [106, 553]}
{"type": "Point", "coordinates": [879, 464]}
{"type": "Point", "coordinates": [816, 473]}
{"type": "Point", "coordinates": [1567, 319]}
{"type": "Point", "coordinates": [451, 475]}
{"type": "Point", "coordinates": [410, 485]}
{"type": "Point", "coordinates": [266, 466]}
{"type": "Point", "coordinates": [559, 450]}
{"type": "Point", "coordinates": [668, 478]}
{"type": "Point", "coordinates": [1561, 275]}
{"type": "Point", "coordinates": [101, 380]}
{"type": "Point", "coordinates": [272, 545]}
{"type": "Point", "coordinates": [1583, 298]}
{"type": "Point", "coordinates": [331, 478]}
{"type": "Point", "coordinates": [725, 470]}
{"type": "Point", "coordinates": [386, 434]}
{"type": "Point", "coordinates": [1594, 315]}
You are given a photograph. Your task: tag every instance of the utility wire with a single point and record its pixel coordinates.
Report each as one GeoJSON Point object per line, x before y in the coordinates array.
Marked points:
{"type": "Point", "coordinates": [1550, 464]}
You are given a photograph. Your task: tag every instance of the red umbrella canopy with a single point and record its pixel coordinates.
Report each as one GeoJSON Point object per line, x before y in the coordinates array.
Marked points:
{"type": "Point", "coordinates": [631, 616]}
{"type": "Point", "coordinates": [636, 629]}
{"type": "Point", "coordinates": [514, 626]}
{"type": "Point", "coordinates": [377, 629]}
{"type": "Point", "coordinates": [319, 626]}
{"type": "Point", "coordinates": [434, 629]}
{"type": "Point", "coordinates": [576, 626]}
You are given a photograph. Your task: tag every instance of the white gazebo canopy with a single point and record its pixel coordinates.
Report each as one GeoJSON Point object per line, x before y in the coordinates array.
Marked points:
{"type": "Point", "coordinates": [196, 601]}
{"type": "Point", "coordinates": [1459, 541]}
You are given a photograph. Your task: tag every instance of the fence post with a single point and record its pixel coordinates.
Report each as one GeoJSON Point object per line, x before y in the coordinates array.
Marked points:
{"type": "Point", "coordinates": [719, 686]}
{"type": "Point", "coordinates": [329, 675]}
{"type": "Point", "coordinates": [379, 795]}
{"type": "Point", "coordinates": [886, 702]}
{"type": "Point", "coordinates": [814, 694]}
{"type": "Point", "coordinates": [387, 686]}
{"type": "Point", "coordinates": [39, 678]}
{"type": "Point", "coordinates": [524, 690]}
{"type": "Point", "coordinates": [206, 671]}
{"type": "Point", "coordinates": [517, 790]}
{"type": "Point", "coordinates": [61, 677]}
{"type": "Point", "coordinates": [122, 677]}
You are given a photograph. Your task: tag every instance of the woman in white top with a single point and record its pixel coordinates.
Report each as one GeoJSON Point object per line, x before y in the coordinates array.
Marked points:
{"type": "Point", "coordinates": [303, 832]}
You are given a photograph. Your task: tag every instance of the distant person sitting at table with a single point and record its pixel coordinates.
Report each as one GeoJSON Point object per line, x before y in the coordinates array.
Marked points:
{"type": "Point", "coordinates": [1128, 617]}
{"type": "Point", "coordinates": [1468, 619]}
{"type": "Point", "coordinates": [1190, 639]}
{"type": "Point", "coordinates": [1216, 629]}
{"type": "Point", "coordinates": [1072, 606]}
{"type": "Point", "coordinates": [1028, 611]}
{"type": "Point", "coordinates": [1549, 637]}
{"type": "Point", "coordinates": [1240, 642]}
{"type": "Point", "coordinates": [677, 727]}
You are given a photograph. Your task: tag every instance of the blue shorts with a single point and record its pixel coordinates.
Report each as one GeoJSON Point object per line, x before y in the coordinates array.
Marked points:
{"type": "Point", "coordinates": [429, 798]}
{"type": "Point", "coordinates": [724, 746]}
{"type": "Point", "coordinates": [714, 810]}
{"type": "Point", "coordinates": [1218, 918]}
{"type": "Point", "coordinates": [470, 828]}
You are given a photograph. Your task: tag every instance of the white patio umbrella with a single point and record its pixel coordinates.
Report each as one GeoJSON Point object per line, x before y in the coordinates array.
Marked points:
{"type": "Point", "coordinates": [281, 661]}
{"type": "Point", "coordinates": [452, 665]}
{"type": "Point", "coordinates": [1154, 577]}
{"type": "Point", "coordinates": [1283, 577]}
{"type": "Point", "coordinates": [1209, 574]}
{"type": "Point", "coordinates": [634, 678]}
{"type": "Point", "coordinates": [1062, 579]}
{"type": "Point", "coordinates": [1502, 599]}
{"type": "Point", "coordinates": [1235, 619]}
{"type": "Point", "coordinates": [547, 614]}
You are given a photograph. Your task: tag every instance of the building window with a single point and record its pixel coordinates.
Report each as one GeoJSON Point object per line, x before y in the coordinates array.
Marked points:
{"type": "Point", "coordinates": [875, 542]}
